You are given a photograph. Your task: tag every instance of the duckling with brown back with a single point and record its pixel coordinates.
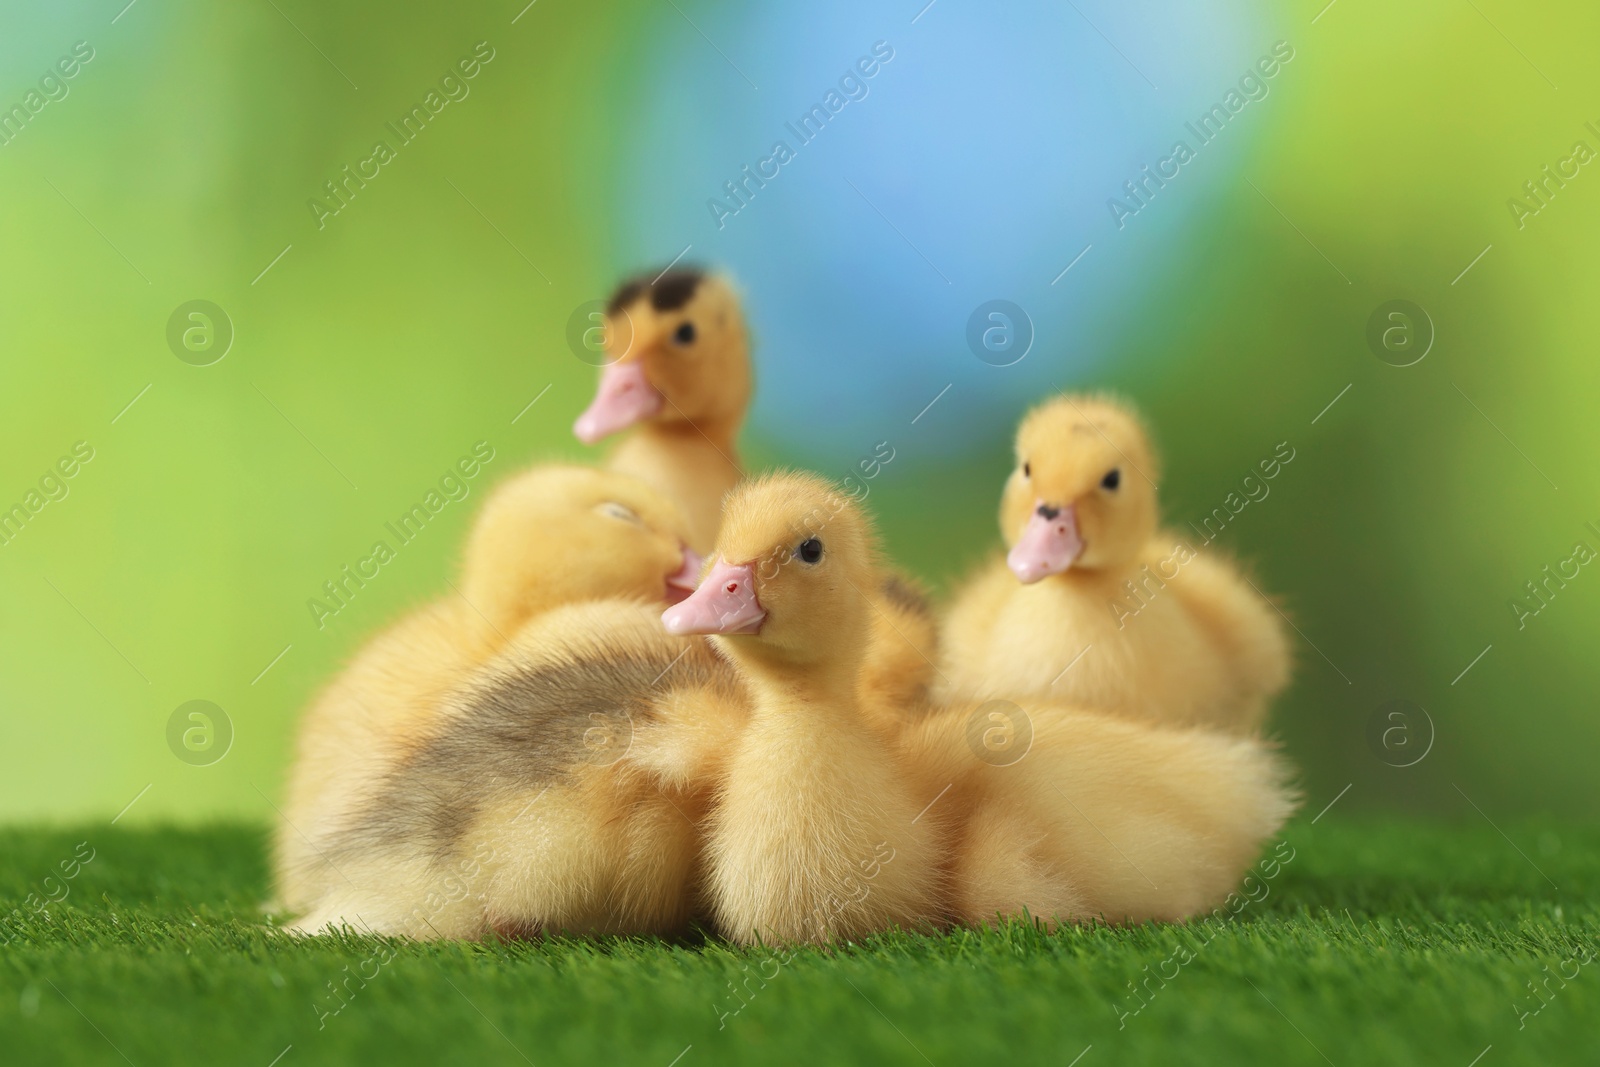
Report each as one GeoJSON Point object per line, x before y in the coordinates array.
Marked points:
{"type": "Point", "coordinates": [550, 537]}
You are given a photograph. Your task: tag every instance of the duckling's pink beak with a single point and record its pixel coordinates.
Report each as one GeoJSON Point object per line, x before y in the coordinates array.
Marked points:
{"type": "Point", "coordinates": [725, 603]}
{"type": "Point", "coordinates": [1048, 545]}
{"type": "Point", "coordinates": [625, 396]}
{"type": "Point", "coordinates": [687, 578]}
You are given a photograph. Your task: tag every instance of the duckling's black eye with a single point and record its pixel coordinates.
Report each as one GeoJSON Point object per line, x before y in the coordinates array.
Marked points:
{"type": "Point", "coordinates": [810, 550]}
{"type": "Point", "coordinates": [1027, 469]}
{"type": "Point", "coordinates": [1112, 479]}
{"type": "Point", "coordinates": [684, 335]}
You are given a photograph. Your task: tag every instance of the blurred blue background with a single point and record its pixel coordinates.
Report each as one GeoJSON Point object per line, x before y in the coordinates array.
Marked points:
{"type": "Point", "coordinates": [976, 167]}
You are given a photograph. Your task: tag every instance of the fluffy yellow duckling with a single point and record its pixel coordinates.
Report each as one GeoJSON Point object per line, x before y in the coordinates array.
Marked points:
{"type": "Point", "coordinates": [563, 790]}
{"type": "Point", "coordinates": [824, 831]}
{"type": "Point", "coordinates": [1066, 815]}
{"type": "Point", "coordinates": [1079, 516]}
{"type": "Point", "coordinates": [681, 383]}
{"type": "Point", "coordinates": [815, 836]}
{"type": "Point", "coordinates": [555, 535]}
{"type": "Point", "coordinates": [551, 536]}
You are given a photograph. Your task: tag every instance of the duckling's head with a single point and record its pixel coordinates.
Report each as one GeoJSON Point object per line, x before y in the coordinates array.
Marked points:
{"type": "Point", "coordinates": [787, 583]}
{"type": "Point", "coordinates": [560, 534]}
{"type": "Point", "coordinates": [680, 356]}
{"type": "Point", "coordinates": [1082, 493]}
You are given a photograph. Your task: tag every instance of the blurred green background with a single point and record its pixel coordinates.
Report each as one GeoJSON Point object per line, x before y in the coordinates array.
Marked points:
{"type": "Point", "coordinates": [426, 316]}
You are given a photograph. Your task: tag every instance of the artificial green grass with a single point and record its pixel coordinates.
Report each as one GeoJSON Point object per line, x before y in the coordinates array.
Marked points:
{"type": "Point", "coordinates": [1380, 942]}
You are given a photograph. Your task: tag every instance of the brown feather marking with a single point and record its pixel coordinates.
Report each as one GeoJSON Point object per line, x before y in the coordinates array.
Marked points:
{"type": "Point", "coordinates": [524, 729]}
{"type": "Point", "coordinates": [668, 291]}
{"type": "Point", "coordinates": [905, 596]}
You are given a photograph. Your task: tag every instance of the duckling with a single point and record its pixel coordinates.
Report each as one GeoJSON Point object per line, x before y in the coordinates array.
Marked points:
{"type": "Point", "coordinates": [1070, 815]}
{"type": "Point", "coordinates": [553, 535]}
{"type": "Point", "coordinates": [563, 790]}
{"type": "Point", "coordinates": [544, 538]}
{"type": "Point", "coordinates": [1086, 817]}
{"type": "Point", "coordinates": [680, 379]}
{"type": "Point", "coordinates": [815, 836]}
{"type": "Point", "coordinates": [1053, 617]}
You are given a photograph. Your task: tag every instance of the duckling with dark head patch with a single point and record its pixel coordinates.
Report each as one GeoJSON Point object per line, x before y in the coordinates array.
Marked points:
{"type": "Point", "coordinates": [680, 382]}
{"type": "Point", "coordinates": [679, 379]}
